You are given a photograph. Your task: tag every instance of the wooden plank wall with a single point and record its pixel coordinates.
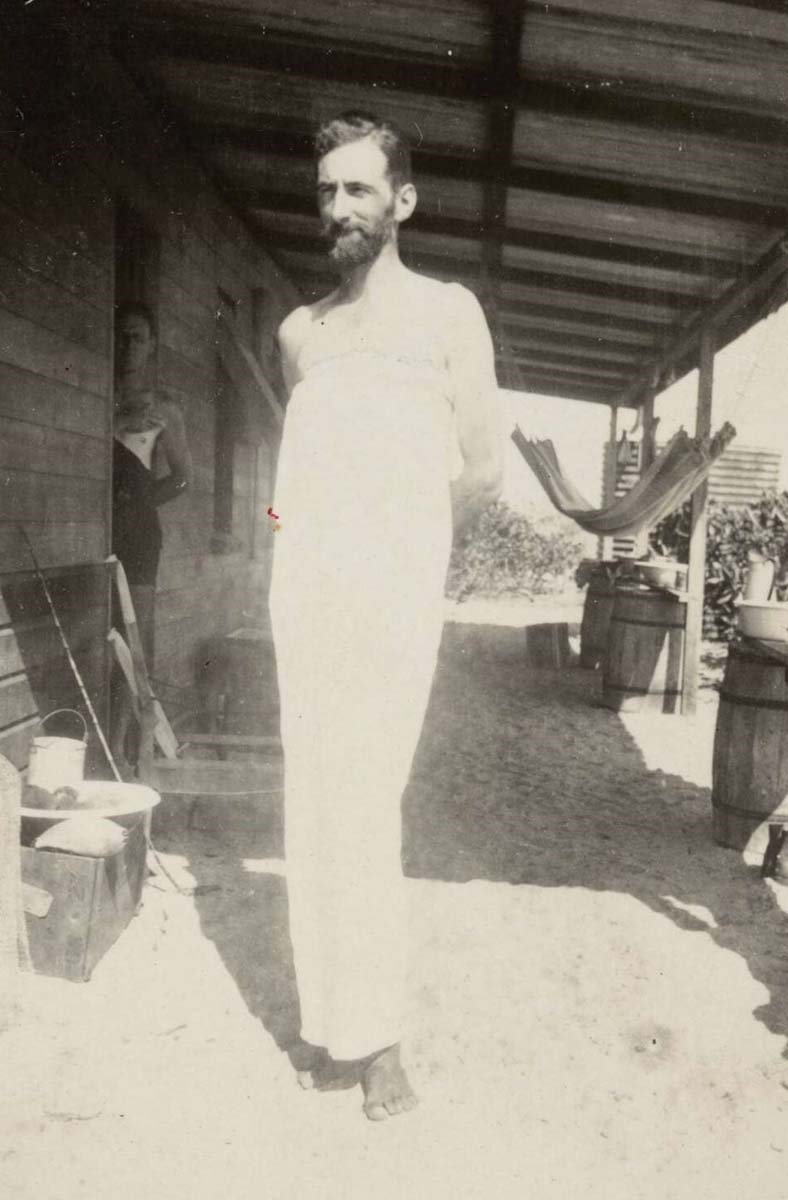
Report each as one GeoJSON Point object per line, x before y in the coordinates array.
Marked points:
{"type": "Point", "coordinates": [57, 254]}
{"type": "Point", "coordinates": [35, 676]}
{"type": "Point", "coordinates": [55, 338]}
{"type": "Point", "coordinates": [743, 473]}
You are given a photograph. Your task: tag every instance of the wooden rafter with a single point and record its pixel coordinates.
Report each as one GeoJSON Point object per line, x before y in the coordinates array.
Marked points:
{"type": "Point", "coordinates": [301, 204]}
{"type": "Point", "coordinates": [569, 284]}
{"type": "Point", "coordinates": [682, 354]}
{"type": "Point", "coordinates": [577, 183]}
{"type": "Point", "coordinates": [328, 60]}
{"type": "Point", "coordinates": [632, 330]}
{"type": "Point", "coordinates": [504, 76]}
{"type": "Point", "coordinates": [506, 33]}
{"type": "Point", "coordinates": [607, 257]}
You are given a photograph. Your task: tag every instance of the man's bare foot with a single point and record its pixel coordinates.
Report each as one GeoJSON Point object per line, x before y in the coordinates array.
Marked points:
{"type": "Point", "coordinates": [385, 1085]}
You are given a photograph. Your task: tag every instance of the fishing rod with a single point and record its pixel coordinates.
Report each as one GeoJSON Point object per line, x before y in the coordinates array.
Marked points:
{"type": "Point", "coordinates": [154, 859]}
{"type": "Point", "coordinates": [71, 661]}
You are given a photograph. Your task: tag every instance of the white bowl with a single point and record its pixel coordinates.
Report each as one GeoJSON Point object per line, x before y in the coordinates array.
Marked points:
{"type": "Point", "coordinates": [767, 619]}
{"type": "Point", "coordinates": [101, 798]}
{"type": "Point", "coordinates": [659, 572]}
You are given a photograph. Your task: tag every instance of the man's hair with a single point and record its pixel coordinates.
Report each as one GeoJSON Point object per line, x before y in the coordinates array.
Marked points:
{"type": "Point", "coordinates": [136, 308]}
{"type": "Point", "coordinates": [354, 126]}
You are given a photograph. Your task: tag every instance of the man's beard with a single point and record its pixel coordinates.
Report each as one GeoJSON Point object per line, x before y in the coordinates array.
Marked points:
{"type": "Point", "coordinates": [350, 248]}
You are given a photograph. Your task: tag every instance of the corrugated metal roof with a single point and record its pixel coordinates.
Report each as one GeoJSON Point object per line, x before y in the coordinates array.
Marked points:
{"type": "Point", "coordinates": [607, 174]}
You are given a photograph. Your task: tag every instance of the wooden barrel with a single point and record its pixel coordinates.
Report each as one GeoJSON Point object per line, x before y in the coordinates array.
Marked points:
{"type": "Point", "coordinates": [750, 764]}
{"type": "Point", "coordinates": [597, 611]}
{"type": "Point", "coordinates": [645, 651]}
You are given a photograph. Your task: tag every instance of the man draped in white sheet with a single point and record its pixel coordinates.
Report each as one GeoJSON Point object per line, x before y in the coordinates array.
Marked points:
{"type": "Point", "coordinates": [391, 443]}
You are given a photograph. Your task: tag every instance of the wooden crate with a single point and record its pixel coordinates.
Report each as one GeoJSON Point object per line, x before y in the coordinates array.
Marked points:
{"type": "Point", "coordinates": [93, 900]}
{"type": "Point", "coordinates": [547, 645]}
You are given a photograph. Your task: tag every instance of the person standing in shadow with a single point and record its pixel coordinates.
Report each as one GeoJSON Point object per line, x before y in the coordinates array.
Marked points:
{"type": "Point", "coordinates": [149, 434]}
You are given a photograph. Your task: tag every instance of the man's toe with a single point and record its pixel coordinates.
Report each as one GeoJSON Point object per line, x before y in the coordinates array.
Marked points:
{"type": "Point", "coordinates": [376, 1112]}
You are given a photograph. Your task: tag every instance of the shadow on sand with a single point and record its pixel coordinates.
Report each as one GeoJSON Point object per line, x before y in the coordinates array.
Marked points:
{"type": "Point", "coordinates": [520, 777]}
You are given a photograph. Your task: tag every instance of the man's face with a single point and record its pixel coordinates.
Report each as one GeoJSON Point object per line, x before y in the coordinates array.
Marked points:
{"type": "Point", "coordinates": [357, 202]}
{"type": "Point", "coordinates": [133, 344]}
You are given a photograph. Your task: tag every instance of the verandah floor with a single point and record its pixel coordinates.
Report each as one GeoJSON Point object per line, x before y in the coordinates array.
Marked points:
{"type": "Point", "coordinates": [599, 994]}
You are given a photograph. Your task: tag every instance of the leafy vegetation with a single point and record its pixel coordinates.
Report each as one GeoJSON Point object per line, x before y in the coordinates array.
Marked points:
{"type": "Point", "coordinates": [732, 533]}
{"type": "Point", "coordinates": [506, 554]}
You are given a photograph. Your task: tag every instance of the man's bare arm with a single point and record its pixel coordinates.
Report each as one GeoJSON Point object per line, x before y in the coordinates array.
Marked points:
{"type": "Point", "coordinates": [471, 361]}
{"type": "Point", "coordinates": [291, 336]}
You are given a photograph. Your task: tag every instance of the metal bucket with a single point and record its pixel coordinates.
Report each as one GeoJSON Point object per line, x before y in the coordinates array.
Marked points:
{"type": "Point", "coordinates": [57, 761]}
{"type": "Point", "coordinates": [759, 581]}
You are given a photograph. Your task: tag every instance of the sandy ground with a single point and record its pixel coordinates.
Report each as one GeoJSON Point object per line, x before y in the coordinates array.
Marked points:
{"type": "Point", "coordinates": [599, 994]}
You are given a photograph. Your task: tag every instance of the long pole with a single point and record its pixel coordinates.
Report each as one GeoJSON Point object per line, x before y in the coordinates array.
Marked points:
{"type": "Point", "coordinates": [71, 661]}
{"type": "Point", "coordinates": [649, 448]}
{"type": "Point", "coordinates": [647, 456]}
{"type": "Point", "coordinates": [609, 481]}
{"type": "Point", "coordinates": [154, 860]}
{"type": "Point", "coordinates": [696, 572]}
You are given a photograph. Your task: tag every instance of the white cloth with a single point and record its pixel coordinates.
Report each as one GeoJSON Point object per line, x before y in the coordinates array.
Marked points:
{"type": "Point", "coordinates": [360, 561]}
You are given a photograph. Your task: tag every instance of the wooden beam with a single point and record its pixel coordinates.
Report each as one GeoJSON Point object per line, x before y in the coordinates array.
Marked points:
{"type": "Point", "coordinates": [302, 204]}
{"type": "Point", "coordinates": [560, 376]}
{"type": "Point", "coordinates": [713, 16]}
{"type": "Point", "coordinates": [633, 331]}
{"type": "Point", "coordinates": [647, 455]}
{"type": "Point", "coordinates": [536, 178]}
{"type": "Point", "coordinates": [649, 445]}
{"type": "Point", "coordinates": [599, 288]}
{"type": "Point", "coordinates": [696, 574]}
{"type": "Point", "coordinates": [547, 385]}
{"type": "Point", "coordinates": [327, 60]}
{"type": "Point", "coordinates": [609, 484]}
{"type": "Point", "coordinates": [592, 289]}
{"type": "Point", "coordinates": [556, 364]}
{"type": "Point", "coordinates": [605, 550]}
{"type": "Point", "coordinates": [685, 350]}
{"type": "Point", "coordinates": [610, 102]}
{"type": "Point", "coordinates": [505, 36]}
{"type": "Point", "coordinates": [647, 311]}
{"type": "Point", "coordinates": [542, 341]}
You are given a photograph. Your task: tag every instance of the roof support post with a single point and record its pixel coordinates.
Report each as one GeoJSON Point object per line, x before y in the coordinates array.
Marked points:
{"type": "Point", "coordinates": [648, 452]}
{"type": "Point", "coordinates": [503, 74]}
{"type": "Point", "coordinates": [697, 546]}
{"type": "Point", "coordinates": [609, 481]}
{"type": "Point", "coordinates": [649, 445]}
{"type": "Point", "coordinates": [756, 283]}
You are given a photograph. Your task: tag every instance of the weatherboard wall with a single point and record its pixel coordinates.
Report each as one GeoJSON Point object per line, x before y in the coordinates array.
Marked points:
{"type": "Point", "coordinates": [65, 169]}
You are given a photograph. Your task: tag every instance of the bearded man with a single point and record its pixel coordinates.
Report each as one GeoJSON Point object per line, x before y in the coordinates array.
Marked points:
{"type": "Point", "coordinates": [391, 442]}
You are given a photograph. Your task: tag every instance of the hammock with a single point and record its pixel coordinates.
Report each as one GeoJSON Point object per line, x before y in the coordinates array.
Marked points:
{"type": "Point", "coordinates": [672, 477]}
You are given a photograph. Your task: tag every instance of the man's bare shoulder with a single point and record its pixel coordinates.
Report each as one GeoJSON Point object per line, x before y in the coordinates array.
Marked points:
{"type": "Point", "coordinates": [449, 300]}
{"type": "Point", "coordinates": [295, 328]}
